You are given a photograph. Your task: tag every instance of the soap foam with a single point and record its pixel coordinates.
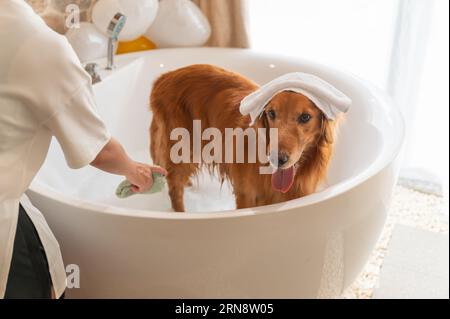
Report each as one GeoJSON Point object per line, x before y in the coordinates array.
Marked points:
{"type": "Point", "coordinates": [207, 194]}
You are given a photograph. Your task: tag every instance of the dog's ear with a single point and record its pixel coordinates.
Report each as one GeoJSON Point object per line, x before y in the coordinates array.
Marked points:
{"type": "Point", "coordinates": [265, 124]}
{"type": "Point", "coordinates": [327, 130]}
{"type": "Point", "coordinates": [261, 121]}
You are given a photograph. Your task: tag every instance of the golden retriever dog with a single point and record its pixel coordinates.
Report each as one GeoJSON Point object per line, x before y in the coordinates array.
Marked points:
{"type": "Point", "coordinates": [213, 95]}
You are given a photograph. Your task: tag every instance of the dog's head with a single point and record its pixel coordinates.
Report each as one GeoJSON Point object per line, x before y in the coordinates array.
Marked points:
{"type": "Point", "coordinates": [301, 127]}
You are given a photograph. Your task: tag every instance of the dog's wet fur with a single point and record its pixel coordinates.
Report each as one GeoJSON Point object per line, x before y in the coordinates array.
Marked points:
{"type": "Point", "coordinates": [213, 95]}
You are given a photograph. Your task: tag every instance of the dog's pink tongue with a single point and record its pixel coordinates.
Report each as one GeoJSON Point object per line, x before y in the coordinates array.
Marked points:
{"type": "Point", "coordinates": [283, 179]}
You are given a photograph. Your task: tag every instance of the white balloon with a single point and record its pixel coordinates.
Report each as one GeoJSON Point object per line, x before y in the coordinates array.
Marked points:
{"type": "Point", "coordinates": [179, 23]}
{"type": "Point", "coordinates": [89, 43]}
{"type": "Point", "coordinates": [140, 15]}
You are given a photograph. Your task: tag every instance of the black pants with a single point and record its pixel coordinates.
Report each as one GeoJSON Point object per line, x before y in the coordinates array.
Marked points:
{"type": "Point", "coordinates": [29, 276]}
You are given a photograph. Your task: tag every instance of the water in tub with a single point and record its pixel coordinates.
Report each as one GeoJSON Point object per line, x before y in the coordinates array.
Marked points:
{"type": "Point", "coordinates": [206, 194]}
{"type": "Point", "coordinates": [89, 184]}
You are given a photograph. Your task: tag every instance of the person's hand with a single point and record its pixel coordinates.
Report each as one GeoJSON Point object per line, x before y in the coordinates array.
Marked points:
{"type": "Point", "coordinates": [113, 159]}
{"type": "Point", "coordinates": [140, 176]}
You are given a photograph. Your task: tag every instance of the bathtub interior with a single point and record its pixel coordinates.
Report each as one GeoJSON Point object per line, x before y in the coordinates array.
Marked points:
{"type": "Point", "coordinates": [123, 103]}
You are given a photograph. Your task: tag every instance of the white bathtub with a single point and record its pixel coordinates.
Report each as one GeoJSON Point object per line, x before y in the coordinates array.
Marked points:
{"type": "Point", "coordinates": [309, 247]}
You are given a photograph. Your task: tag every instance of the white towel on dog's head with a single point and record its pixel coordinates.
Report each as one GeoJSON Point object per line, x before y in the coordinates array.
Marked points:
{"type": "Point", "coordinates": [326, 97]}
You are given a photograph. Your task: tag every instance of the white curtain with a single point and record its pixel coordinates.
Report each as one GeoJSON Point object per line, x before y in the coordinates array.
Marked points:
{"type": "Point", "coordinates": [419, 80]}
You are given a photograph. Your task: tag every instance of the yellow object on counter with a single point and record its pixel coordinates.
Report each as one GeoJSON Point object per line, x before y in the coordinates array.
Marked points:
{"type": "Point", "coordinates": [140, 44]}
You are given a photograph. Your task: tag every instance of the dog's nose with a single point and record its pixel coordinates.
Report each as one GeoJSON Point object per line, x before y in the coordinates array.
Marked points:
{"type": "Point", "coordinates": [282, 159]}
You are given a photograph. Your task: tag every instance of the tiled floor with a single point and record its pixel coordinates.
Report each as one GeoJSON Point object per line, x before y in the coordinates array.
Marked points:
{"type": "Point", "coordinates": [416, 265]}
{"type": "Point", "coordinates": [411, 211]}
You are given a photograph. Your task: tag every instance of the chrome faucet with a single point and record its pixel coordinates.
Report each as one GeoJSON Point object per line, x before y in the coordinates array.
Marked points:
{"type": "Point", "coordinates": [114, 28]}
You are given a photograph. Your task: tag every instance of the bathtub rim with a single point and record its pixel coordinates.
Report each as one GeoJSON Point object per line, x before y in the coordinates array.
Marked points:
{"type": "Point", "coordinates": [379, 164]}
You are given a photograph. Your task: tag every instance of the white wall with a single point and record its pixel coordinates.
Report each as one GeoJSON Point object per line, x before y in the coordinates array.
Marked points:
{"type": "Point", "coordinates": [355, 35]}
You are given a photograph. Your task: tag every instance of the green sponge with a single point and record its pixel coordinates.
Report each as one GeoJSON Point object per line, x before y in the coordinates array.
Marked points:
{"type": "Point", "coordinates": [124, 188]}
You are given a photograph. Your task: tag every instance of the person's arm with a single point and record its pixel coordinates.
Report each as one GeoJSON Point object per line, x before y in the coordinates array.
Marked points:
{"type": "Point", "coordinates": [113, 159]}
{"type": "Point", "coordinates": [64, 102]}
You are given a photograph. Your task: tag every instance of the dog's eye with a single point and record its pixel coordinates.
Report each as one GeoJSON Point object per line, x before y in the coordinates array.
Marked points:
{"type": "Point", "coordinates": [271, 114]}
{"type": "Point", "coordinates": [304, 118]}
